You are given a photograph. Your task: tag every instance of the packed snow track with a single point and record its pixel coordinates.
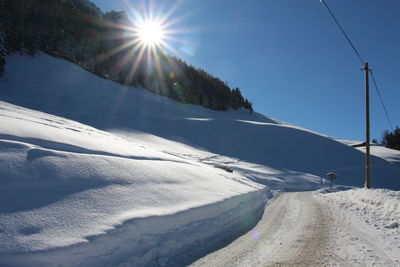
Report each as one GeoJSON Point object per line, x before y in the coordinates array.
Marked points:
{"type": "Point", "coordinates": [301, 229]}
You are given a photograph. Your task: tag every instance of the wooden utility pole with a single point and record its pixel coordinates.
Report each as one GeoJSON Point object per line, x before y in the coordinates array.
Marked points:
{"type": "Point", "coordinates": [367, 148]}
{"type": "Point", "coordinates": [366, 69]}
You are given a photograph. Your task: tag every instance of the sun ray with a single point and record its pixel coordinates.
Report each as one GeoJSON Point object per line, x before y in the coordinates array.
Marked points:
{"type": "Point", "coordinates": [159, 72]}
{"type": "Point", "coordinates": [135, 66]}
{"type": "Point", "coordinates": [152, 34]}
{"type": "Point", "coordinates": [116, 50]}
{"type": "Point", "coordinates": [125, 59]}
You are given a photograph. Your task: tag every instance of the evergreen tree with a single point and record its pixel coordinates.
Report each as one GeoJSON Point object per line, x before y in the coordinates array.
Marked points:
{"type": "Point", "coordinates": [392, 139]}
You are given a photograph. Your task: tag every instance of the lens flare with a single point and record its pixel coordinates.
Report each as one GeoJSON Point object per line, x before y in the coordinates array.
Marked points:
{"type": "Point", "coordinates": [149, 32]}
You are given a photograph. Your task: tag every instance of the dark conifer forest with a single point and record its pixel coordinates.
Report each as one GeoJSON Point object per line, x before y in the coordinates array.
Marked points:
{"type": "Point", "coordinates": [78, 31]}
{"type": "Point", "coordinates": [392, 139]}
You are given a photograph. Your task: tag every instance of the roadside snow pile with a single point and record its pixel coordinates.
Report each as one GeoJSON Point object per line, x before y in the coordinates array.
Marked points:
{"type": "Point", "coordinates": [378, 207]}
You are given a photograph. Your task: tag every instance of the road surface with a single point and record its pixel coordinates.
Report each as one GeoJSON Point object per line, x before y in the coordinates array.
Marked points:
{"type": "Point", "coordinates": [300, 229]}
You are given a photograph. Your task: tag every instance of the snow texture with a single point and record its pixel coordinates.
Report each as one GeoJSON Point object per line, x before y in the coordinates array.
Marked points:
{"type": "Point", "coordinates": [373, 212]}
{"type": "Point", "coordinates": [93, 172]}
{"type": "Point", "coordinates": [379, 207]}
{"type": "Point", "coordinates": [303, 229]}
{"type": "Point", "coordinates": [51, 85]}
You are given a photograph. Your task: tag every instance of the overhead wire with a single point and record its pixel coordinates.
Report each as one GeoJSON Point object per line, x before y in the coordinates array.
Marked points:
{"type": "Point", "coordinates": [344, 33]}
{"type": "Point", "coordinates": [380, 97]}
{"type": "Point", "coordinates": [361, 59]}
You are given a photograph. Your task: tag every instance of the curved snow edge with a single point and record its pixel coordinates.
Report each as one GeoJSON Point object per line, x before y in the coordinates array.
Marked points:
{"type": "Point", "coordinates": [171, 240]}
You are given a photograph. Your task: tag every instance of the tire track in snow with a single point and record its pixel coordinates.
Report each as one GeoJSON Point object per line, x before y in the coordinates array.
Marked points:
{"type": "Point", "coordinates": [298, 229]}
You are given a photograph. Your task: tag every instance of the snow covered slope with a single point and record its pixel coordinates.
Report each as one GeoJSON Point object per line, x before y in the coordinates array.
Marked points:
{"type": "Point", "coordinates": [388, 154]}
{"type": "Point", "coordinates": [62, 183]}
{"type": "Point", "coordinates": [92, 171]}
{"type": "Point", "coordinates": [380, 151]}
{"type": "Point", "coordinates": [52, 85]}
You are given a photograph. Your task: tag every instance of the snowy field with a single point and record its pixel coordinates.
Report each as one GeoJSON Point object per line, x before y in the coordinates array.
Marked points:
{"type": "Point", "coordinates": [93, 172]}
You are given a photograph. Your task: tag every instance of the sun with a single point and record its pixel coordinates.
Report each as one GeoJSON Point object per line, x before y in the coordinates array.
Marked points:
{"type": "Point", "coordinates": [151, 33]}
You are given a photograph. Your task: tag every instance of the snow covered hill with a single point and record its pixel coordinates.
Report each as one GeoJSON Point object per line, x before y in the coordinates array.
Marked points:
{"type": "Point", "coordinates": [63, 182]}
{"type": "Point", "coordinates": [92, 171]}
{"type": "Point", "coordinates": [58, 87]}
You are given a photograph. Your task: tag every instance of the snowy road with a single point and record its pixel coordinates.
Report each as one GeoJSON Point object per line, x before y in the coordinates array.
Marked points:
{"type": "Point", "coordinates": [301, 229]}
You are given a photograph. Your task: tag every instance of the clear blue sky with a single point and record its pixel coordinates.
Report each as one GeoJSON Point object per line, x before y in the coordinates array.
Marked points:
{"type": "Point", "coordinates": [289, 58]}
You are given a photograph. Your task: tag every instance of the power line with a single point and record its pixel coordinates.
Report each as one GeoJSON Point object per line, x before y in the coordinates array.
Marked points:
{"type": "Point", "coordinates": [380, 97]}
{"type": "Point", "coordinates": [367, 113]}
{"type": "Point", "coordinates": [344, 33]}
{"type": "Point", "coordinates": [361, 59]}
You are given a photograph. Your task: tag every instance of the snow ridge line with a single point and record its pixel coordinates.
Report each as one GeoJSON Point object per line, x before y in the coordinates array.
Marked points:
{"type": "Point", "coordinates": [172, 240]}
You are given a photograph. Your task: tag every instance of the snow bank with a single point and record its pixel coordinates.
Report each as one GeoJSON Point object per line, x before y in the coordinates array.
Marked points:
{"type": "Point", "coordinates": [378, 207]}
{"type": "Point", "coordinates": [372, 213]}
{"type": "Point", "coordinates": [173, 240]}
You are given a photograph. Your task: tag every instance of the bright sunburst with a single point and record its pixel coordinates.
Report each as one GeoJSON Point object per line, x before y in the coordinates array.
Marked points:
{"type": "Point", "coordinates": [151, 33]}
